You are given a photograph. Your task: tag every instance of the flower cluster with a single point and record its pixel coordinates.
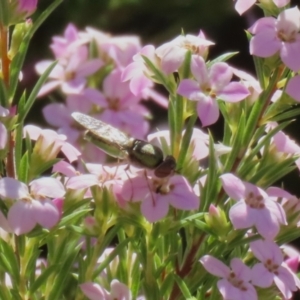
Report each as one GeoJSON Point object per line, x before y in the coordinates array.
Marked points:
{"type": "Point", "coordinates": [125, 213]}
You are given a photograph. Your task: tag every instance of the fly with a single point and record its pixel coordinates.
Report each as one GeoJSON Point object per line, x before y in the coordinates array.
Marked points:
{"type": "Point", "coordinates": [117, 144]}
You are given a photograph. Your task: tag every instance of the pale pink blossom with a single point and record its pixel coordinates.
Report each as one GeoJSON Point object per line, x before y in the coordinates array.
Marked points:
{"type": "Point", "coordinates": [64, 46]}
{"type": "Point", "coordinates": [279, 35]}
{"type": "Point", "coordinates": [70, 74]}
{"type": "Point", "coordinates": [51, 143]}
{"type": "Point", "coordinates": [242, 5]}
{"type": "Point", "coordinates": [254, 207]}
{"type": "Point", "coordinates": [284, 144]}
{"type": "Point", "coordinates": [118, 291]}
{"type": "Point", "coordinates": [172, 54]}
{"type": "Point", "coordinates": [156, 195]}
{"type": "Point", "coordinates": [121, 108]}
{"type": "Point", "coordinates": [210, 85]}
{"type": "Point", "coordinates": [272, 268]}
{"type": "Point", "coordinates": [234, 283]}
{"type": "Point", "coordinates": [139, 76]}
{"type": "Point", "coordinates": [34, 207]}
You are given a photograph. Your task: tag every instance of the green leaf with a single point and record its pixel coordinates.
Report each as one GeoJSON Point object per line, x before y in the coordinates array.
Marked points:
{"type": "Point", "coordinates": [67, 262]}
{"type": "Point", "coordinates": [183, 287]}
{"type": "Point", "coordinates": [23, 168]}
{"type": "Point", "coordinates": [160, 77]}
{"type": "Point", "coordinates": [10, 261]}
{"type": "Point", "coordinates": [236, 145]}
{"type": "Point", "coordinates": [222, 58]}
{"type": "Point", "coordinates": [3, 91]}
{"type": "Point", "coordinates": [43, 278]}
{"type": "Point", "coordinates": [34, 92]}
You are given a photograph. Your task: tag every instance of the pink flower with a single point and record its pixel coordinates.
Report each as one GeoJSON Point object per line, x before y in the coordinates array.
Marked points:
{"type": "Point", "coordinates": [118, 291]}
{"type": "Point", "coordinates": [281, 35]}
{"type": "Point", "coordinates": [172, 54]}
{"type": "Point", "coordinates": [254, 207]}
{"type": "Point", "coordinates": [157, 194]}
{"type": "Point", "coordinates": [284, 144]}
{"type": "Point", "coordinates": [242, 5]}
{"type": "Point", "coordinates": [70, 74]}
{"type": "Point", "coordinates": [64, 46]}
{"type": "Point", "coordinates": [272, 268]}
{"type": "Point", "coordinates": [51, 143]}
{"type": "Point", "coordinates": [31, 208]}
{"type": "Point", "coordinates": [137, 73]}
{"type": "Point", "coordinates": [234, 284]}
{"type": "Point", "coordinates": [27, 6]}
{"type": "Point", "coordinates": [121, 108]}
{"type": "Point", "coordinates": [211, 84]}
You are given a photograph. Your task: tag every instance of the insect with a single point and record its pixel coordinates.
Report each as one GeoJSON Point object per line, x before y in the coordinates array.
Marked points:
{"type": "Point", "coordinates": [117, 144]}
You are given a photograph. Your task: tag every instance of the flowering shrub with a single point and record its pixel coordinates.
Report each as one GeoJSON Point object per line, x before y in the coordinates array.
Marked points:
{"type": "Point", "coordinates": [171, 214]}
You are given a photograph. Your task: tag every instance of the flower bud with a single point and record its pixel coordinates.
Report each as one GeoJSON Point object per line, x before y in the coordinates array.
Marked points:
{"type": "Point", "coordinates": [19, 32]}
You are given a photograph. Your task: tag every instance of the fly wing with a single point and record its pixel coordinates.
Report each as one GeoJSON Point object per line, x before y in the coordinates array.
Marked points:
{"type": "Point", "coordinates": [103, 135]}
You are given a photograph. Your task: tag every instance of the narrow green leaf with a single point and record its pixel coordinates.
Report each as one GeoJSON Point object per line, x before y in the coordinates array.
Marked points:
{"type": "Point", "coordinates": [34, 92]}
{"type": "Point", "coordinates": [43, 278]}
{"type": "Point", "coordinates": [10, 260]}
{"type": "Point", "coordinates": [23, 168]}
{"type": "Point", "coordinates": [183, 287]}
{"type": "Point", "coordinates": [3, 92]}
{"type": "Point", "coordinates": [222, 58]}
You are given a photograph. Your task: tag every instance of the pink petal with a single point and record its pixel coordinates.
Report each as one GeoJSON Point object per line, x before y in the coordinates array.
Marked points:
{"type": "Point", "coordinates": [93, 291]}
{"type": "Point", "coordinates": [47, 186]}
{"type": "Point", "coordinates": [220, 75]}
{"type": "Point", "coordinates": [261, 276]}
{"type": "Point", "coordinates": [48, 87]}
{"type": "Point", "coordinates": [264, 44]}
{"type": "Point", "coordinates": [289, 54]}
{"type": "Point", "coordinates": [242, 5]}
{"type": "Point", "coordinates": [89, 67]}
{"type": "Point", "coordinates": [119, 290]}
{"type": "Point", "coordinates": [233, 186]}
{"type": "Point", "coordinates": [285, 283]}
{"type": "Point", "coordinates": [173, 59]}
{"type": "Point", "coordinates": [82, 182]}
{"type": "Point", "coordinates": [241, 216]}
{"type": "Point", "coordinates": [189, 89]}
{"type": "Point", "coordinates": [240, 269]}
{"type": "Point", "coordinates": [57, 114]}
{"type": "Point", "coordinates": [292, 88]}
{"type": "Point", "coordinates": [267, 224]}
{"type": "Point", "coordinates": [233, 92]}
{"type": "Point", "coordinates": [154, 208]}
{"type": "Point", "coordinates": [214, 266]}
{"type": "Point", "coordinates": [21, 217]}
{"type": "Point", "coordinates": [281, 3]}
{"type": "Point", "coordinates": [208, 110]}
{"type": "Point", "coordinates": [135, 189]}
{"type": "Point", "coordinates": [46, 213]}
{"type": "Point", "coordinates": [182, 195]}
{"type": "Point", "coordinates": [64, 168]}
{"type": "Point", "coordinates": [12, 188]}
{"type": "Point", "coordinates": [199, 69]}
